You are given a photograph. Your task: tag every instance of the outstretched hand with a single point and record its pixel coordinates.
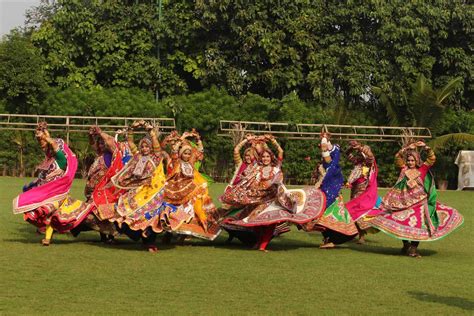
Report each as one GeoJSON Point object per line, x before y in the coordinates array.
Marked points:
{"type": "Point", "coordinates": [95, 130]}
{"type": "Point", "coordinates": [420, 143]}
{"type": "Point", "coordinates": [269, 137]}
{"type": "Point", "coordinates": [137, 124]}
{"type": "Point", "coordinates": [249, 137]}
{"type": "Point", "coordinates": [147, 126]}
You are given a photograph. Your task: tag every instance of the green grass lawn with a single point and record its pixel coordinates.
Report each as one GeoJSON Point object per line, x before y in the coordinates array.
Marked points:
{"type": "Point", "coordinates": [83, 276]}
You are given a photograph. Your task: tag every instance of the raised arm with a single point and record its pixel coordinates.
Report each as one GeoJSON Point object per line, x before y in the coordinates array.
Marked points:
{"type": "Point", "coordinates": [325, 150]}
{"type": "Point", "coordinates": [109, 141]}
{"type": "Point", "coordinates": [237, 157]}
{"type": "Point", "coordinates": [399, 160]}
{"type": "Point", "coordinates": [91, 136]}
{"type": "Point", "coordinates": [175, 148]}
{"type": "Point", "coordinates": [368, 155]}
{"type": "Point", "coordinates": [200, 147]}
{"type": "Point", "coordinates": [154, 138]}
{"type": "Point", "coordinates": [131, 144]}
{"type": "Point", "coordinates": [58, 153]}
{"type": "Point", "coordinates": [430, 155]}
{"type": "Point", "coordinates": [278, 147]}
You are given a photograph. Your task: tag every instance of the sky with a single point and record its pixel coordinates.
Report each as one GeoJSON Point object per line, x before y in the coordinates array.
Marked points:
{"type": "Point", "coordinates": [12, 13]}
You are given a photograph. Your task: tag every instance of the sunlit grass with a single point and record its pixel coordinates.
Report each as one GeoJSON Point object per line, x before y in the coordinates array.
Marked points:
{"type": "Point", "coordinates": [83, 276]}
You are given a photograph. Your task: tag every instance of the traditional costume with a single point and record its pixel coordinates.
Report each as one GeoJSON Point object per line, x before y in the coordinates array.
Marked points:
{"type": "Point", "coordinates": [335, 224]}
{"type": "Point", "coordinates": [189, 209]}
{"type": "Point", "coordinates": [107, 152]}
{"type": "Point", "coordinates": [262, 201]}
{"type": "Point", "coordinates": [141, 184]}
{"type": "Point", "coordinates": [46, 202]}
{"type": "Point", "coordinates": [243, 169]}
{"type": "Point", "coordinates": [410, 210]}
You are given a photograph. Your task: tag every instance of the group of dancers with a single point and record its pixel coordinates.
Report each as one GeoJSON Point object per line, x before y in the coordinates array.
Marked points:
{"type": "Point", "coordinates": [157, 188]}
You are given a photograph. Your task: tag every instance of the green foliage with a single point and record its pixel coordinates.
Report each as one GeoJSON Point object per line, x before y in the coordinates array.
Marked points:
{"type": "Point", "coordinates": [103, 102]}
{"type": "Point", "coordinates": [319, 50]}
{"type": "Point", "coordinates": [22, 77]}
{"type": "Point", "coordinates": [20, 153]}
{"type": "Point", "coordinates": [422, 106]}
{"type": "Point", "coordinates": [444, 141]}
{"type": "Point", "coordinates": [109, 44]}
{"type": "Point", "coordinates": [291, 61]}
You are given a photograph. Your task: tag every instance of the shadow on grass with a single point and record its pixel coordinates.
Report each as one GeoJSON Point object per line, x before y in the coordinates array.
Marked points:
{"type": "Point", "coordinates": [282, 243]}
{"type": "Point", "coordinates": [386, 250]}
{"type": "Point", "coordinates": [129, 245]}
{"type": "Point", "coordinates": [38, 241]}
{"type": "Point", "coordinates": [455, 301]}
{"type": "Point", "coordinates": [122, 244]}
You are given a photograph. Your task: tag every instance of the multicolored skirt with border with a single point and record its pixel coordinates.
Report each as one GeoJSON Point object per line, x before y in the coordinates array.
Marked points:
{"type": "Point", "coordinates": [310, 204]}
{"type": "Point", "coordinates": [411, 223]}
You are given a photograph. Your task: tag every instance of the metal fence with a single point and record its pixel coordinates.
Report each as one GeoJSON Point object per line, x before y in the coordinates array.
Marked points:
{"type": "Point", "coordinates": [312, 131]}
{"type": "Point", "coordinates": [78, 124]}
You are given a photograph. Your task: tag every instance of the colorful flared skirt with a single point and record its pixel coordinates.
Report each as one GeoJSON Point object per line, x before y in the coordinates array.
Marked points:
{"type": "Point", "coordinates": [62, 216]}
{"type": "Point", "coordinates": [336, 218]}
{"type": "Point", "coordinates": [138, 207]}
{"type": "Point", "coordinates": [411, 224]}
{"type": "Point", "coordinates": [310, 204]}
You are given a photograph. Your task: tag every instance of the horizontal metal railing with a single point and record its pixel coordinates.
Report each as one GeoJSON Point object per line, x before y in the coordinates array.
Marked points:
{"type": "Point", "coordinates": [313, 131]}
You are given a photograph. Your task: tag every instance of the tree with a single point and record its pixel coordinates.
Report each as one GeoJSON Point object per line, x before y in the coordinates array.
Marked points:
{"type": "Point", "coordinates": [23, 81]}
{"type": "Point", "coordinates": [321, 50]}
{"type": "Point", "coordinates": [422, 106]}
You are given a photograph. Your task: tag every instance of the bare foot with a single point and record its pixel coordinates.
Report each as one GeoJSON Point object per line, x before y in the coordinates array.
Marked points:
{"type": "Point", "coordinates": [152, 249]}
{"type": "Point", "coordinates": [46, 242]}
{"type": "Point", "coordinates": [328, 245]}
{"type": "Point", "coordinates": [413, 252]}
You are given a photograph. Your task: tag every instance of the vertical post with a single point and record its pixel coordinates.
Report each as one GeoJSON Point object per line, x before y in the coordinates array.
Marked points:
{"type": "Point", "coordinates": [67, 130]}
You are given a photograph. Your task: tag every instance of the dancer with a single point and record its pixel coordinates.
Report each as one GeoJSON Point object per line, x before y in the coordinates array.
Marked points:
{"type": "Point", "coordinates": [333, 180]}
{"type": "Point", "coordinates": [105, 194]}
{"type": "Point", "coordinates": [363, 185]}
{"type": "Point", "coordinates": [189, 209]}
{"type": "Point", "coordinates": [102, 161]}
{"type": "Point", "coordinates": [336, 224]}
{"type": "Point", "coordinates": [142, 181]}
{"type": "Point", "coordinates": [243, 168]}
{"type": "Point", "coordinates": [106, 153]}
{"type": "Point", "coordinates": [45, 202]}
{"type": "Point", "coordinates": [410, 211]}
{"type": "Point", "coordinates": [264, 201]}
